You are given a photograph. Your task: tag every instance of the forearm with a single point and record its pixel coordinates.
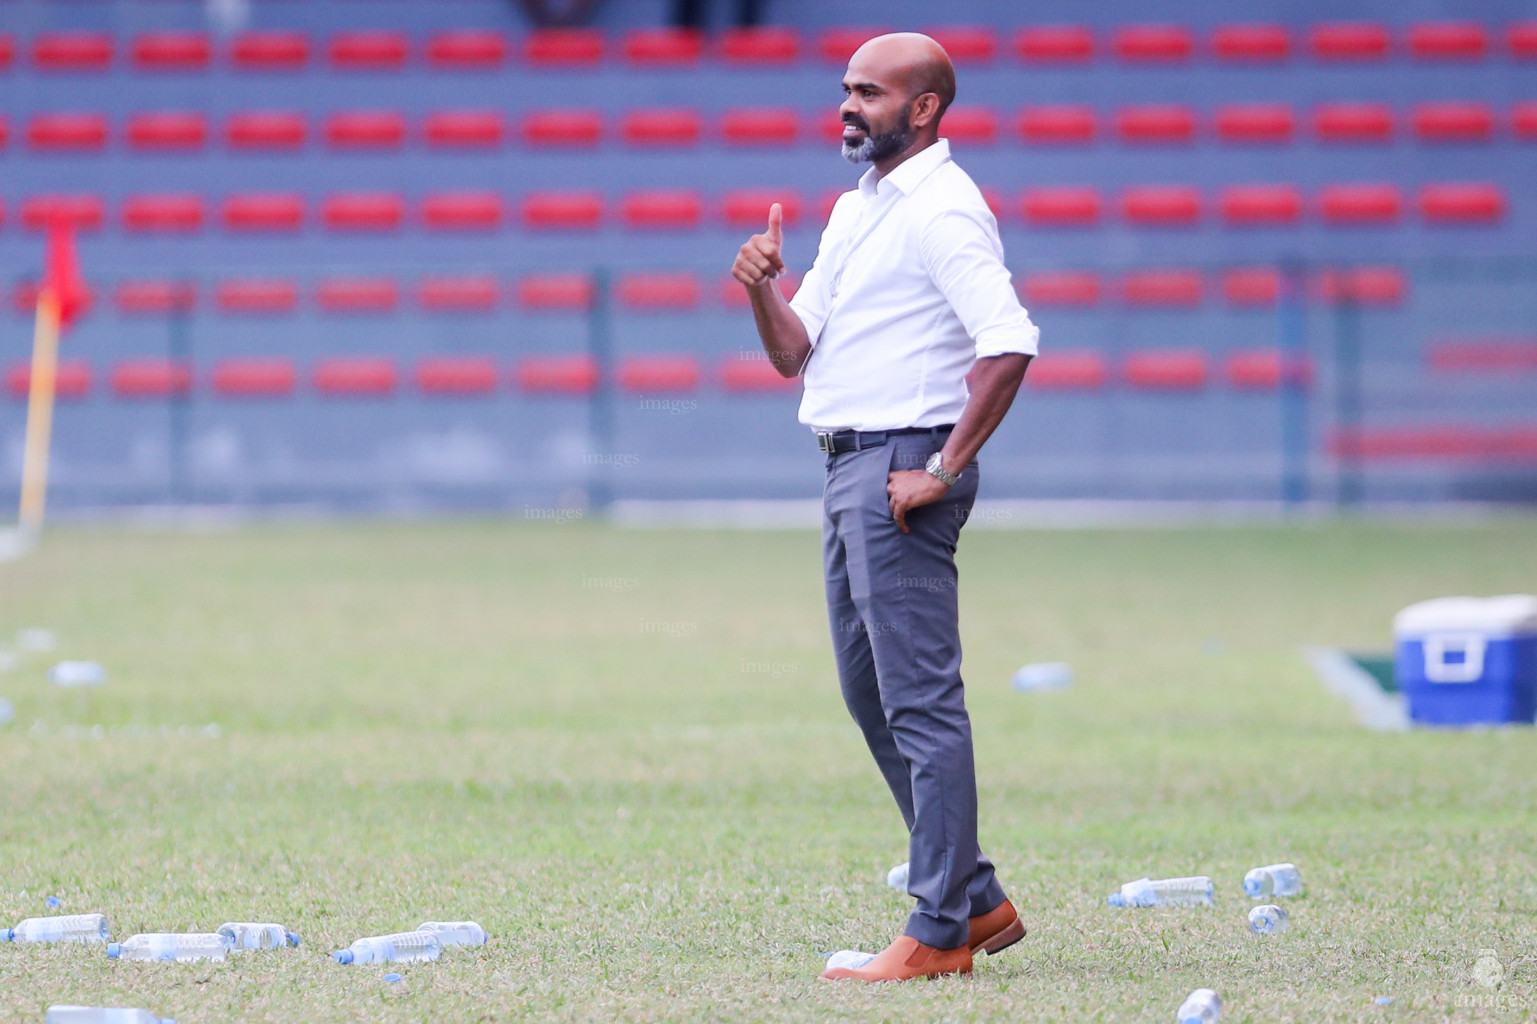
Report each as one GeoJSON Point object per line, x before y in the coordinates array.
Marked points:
{"type": "Point", "coordinates": [784, 336]}
{"type": "Point", "coordinates": [994, 384]}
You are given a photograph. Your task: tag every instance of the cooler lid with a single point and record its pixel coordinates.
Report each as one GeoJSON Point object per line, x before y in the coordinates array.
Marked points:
{"type": "Point", "coordinates": [1510, 613]}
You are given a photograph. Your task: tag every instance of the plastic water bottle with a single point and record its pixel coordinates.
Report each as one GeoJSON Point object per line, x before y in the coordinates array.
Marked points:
{"type": "Point", "coordinates": [390, 948]}
{"type": "Point", "coordinates": [1197, 891]}
{"type": "Point", "coordinates": [897, 877]}
{"type": "Point", "coordinates": [72, 928]}
{"type": "Point", "coordinates": [455, 933]}
{"type": "Point", "coordinates": [1272, 880]}
{"type": "Point", "coordinates": [77, 673]}
{"type": "Point", "coordinates": [1044, 675]}
{"type": "Point", "coordinates": [852, 959]}
{"type": "Point", "coordinates": [241, 937]}
{"type": "Point", "coordinates": [1268, 919]}
{"type": "Point", "coordinates": [102, 1015]}
{"type": "Point", "coordinates": [168, 946]}
{"type": "Point", "coordinates": [1203, 1006]}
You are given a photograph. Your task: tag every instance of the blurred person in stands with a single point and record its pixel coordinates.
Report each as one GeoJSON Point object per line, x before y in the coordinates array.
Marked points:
{"type": "Point", "coordinates": [695, 13]}
{"type": "Point", "coordinates": [559, 13]}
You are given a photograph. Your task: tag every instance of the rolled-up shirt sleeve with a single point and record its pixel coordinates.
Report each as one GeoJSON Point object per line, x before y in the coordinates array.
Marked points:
{"type": "Point", "coordinates": [964, 259]}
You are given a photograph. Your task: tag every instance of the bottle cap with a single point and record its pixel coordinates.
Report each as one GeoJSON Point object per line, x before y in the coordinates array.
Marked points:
{"type": "Point", "coordinates": [7, 934]}
{"type": "Point", "coordinates": [343, 956]}
{"type": "Point", "coordinates": [114, 950]}
{"type": "Point", "coordinates": [1115, 899]}
{"type": "Point", "coordinates": [293, 940]}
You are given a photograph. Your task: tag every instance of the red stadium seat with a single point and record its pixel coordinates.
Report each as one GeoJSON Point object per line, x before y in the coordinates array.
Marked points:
{"type": "Point", "coordinates": [257, 296]}
{"type": "Point", "coordinates": [1251, 286]}
{"type": "Point", "coordinates": [661, 127]}
{"type": "Point", "coordinates": [5, 132]}
{"type": "Point", "coordinates": [652, 374]}
{"type": "Point", "coordinates": [1441, 441]}
{"type": "Point", "coordinates": [1057, 126]}
{"type": "Point", "coordinates": [474, 294]}
{"type": "Point", "coordinates": [7, 51]}
{"type": "Point", "coordinates": [264, 211]}
{"type": "Point", "coordinates": [356, 376]}
{"type": "Point", "coordinates": [1055, 44]}
{"type": "Point", "coordinates": [1251, 43]}
{"type": "Point", "coordinates": [754, 375]}
{"type": "Point", "coordinates": [1353, 122]}
{"type": "Point", "coordinates": [966, 44]}
{"type": "Point", "coordinates": [1266, 369]}
{"type": "Point", "coordinates": [270, 51]}
{"type": "Point", "coordinates": [463, 211]}
{"type": "Point", "coordinates": [1484, 355]}
{"type": "Point", "coordinates": [358, 295]}
{"type": "Point", "coordinates": [1062, 206]}
{"type": "Point", "coordinates": [1349, 40]}
{"type": "Point", "coordinates": [25, 295]}
{"type": "Point", "coordinates": [562, 128]}
{"type": "Point", "coordinates": [556, 292]}
{"type": "Point", "coordinates": [83, 212]}
{"type": "Point", "coordinates": [837, 45]}
{"type": "Point", "coordinates": [1472, 202]}
{"type": "Point", "coordinates": [760, 126]}
{"type": "Point", "coordinates": [456, 375]}
{"type": "Point", "coordinates": [1255, 123]}
{"type": "Point", "coordinates": [366, 129]}
{"type": "Point", "coordinates": [1364, 286]}
{"type": "Point", "coordinates": [178, 213]}
{"type": "Point", "coordinates": [663, 47]}
{"type": "Point", "coordinates": [150, 378]}
{"type": "Point", "coordinates": [1068, 371]}
{"type": "Point", "coordinates": [761, 45]}
{"type": "Point", "coordinates": [171, 51]}
{"type": "Point", "coordinates": [749, 209]}
{"type": "Point", "coordinates": [1523, 120]}
{"type": "Point", "coordinates": [1362, 203]}
{"type": "Point", "coordinates": [72, 51]}
{"type": "Point", "coordinates": [975, 125]}
{"type": "Point", "coordinates": [363, 211]}
{"type": "Point", "coordinates": [468, 50]}
{"type": "Point", "coordinates": [71, 380]}
{"type": "Point", "coordinates": [465, 129]}
{"type": "Point", "coordinates": [1449, 40]}
{"type": "Point", "coordinates": [1166, 370]}
{"type": "Point", "coordinates": [154, 297]}
{"type": "Point", "coordinates": [67, 133]}
{"type": "Point", "coordinates": [1163, 288]}
{"type": "Point", "coordinates": [1454, 122]}
{"type": "Point", "coordinates": [1522, 40]}
{"type": "Point", "coordinates": [265, 130]}
{"type": "Point", "coordinates": [167, 130]}
{"type": "Point", "coordinates": [372, 50]}
{"type": "Point", "coordinates": [1161, 205]}
{"type": "Point", "coordinates": [1072, 288]}
{"type": "Point", "coordinates": [646, 291]}
{"type": "Point", "coordinates": [563, 211]}
{"type": "Point", "coordinates": [557, 375]}
{"type": "Point", "coordinates": [1154, 124]}
{"type": "Point", "coordinates": [563, 47]}
{"type": "Point", "coordinates": [1261, 205]}
{"type": "Point", "coordinates": [1162, 44]}
{"type": "Point", "coordinates": [254, 378]}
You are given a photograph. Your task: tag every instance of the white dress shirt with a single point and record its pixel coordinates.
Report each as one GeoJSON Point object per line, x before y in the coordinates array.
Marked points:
{"type": "Point", "coordinates": [907, 292]}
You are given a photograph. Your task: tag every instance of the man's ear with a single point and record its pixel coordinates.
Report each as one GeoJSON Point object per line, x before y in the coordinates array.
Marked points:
{"type": "Point", "coordinates": [925, 109]}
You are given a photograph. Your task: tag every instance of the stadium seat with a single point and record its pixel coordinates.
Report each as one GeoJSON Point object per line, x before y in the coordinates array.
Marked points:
{"type": "Point", "coordinates": [977, 126]}
{"type": "Point", "coordinates": [761, 126]}
{"type": "Point", "coordinates": [1067, 371]}
{"type": "Point", "coordinates": [270, 51]}
{"type": "Point", "coordinates": [370, 50]}
{"type": "Point", "coordinates": [837, 45]}
{"type": "Point", "coordinates": [1162, 288]}
{"type": "Point", "coordinates": [652, 374]}
{"type": "Point", "coordinates": [1161, 205]}
{"type": "Point", "coordinates": [1361, 203]}
{"type": "Point", "coordinates": [456, 375]}
{"type": "Point", "coordinates": [178, 213]}
{"type": "Point", "coordinates": [663, 47]}
{"type": "Point", "coordinates": [734, 296]}
{"type": "Point", "coordinates": [254, 378]}
{"type": "Point", "coordinates": [1254, 43]}
{"type": "Point", "coordinates": [1166, 370]}
{"type": "Point", "coordinates": [150, 378]}
{"type": "Point", "coordinates": [1055, 44]}
{"type": "Point", "coordinates": [363, 211]}
{"type": "Point", "coordinates": [1255, 123]}
{"type": "Point", "coordinates": [563, 211]}
{"type": "Point", "coordinates": [563, 47]}
{"type": "Point", "coordinates": [548, 292]}
{"type": "Point", "coordinates": [1448, 40]}
{"type": "Point", "coordinates": [1462, 203]}
{"type": "Point", "coordinates": [1483, 355]}
{"type": "Point", "coordinates": [264, 211]}
{"type": "Point", "coordinates": [760, 45]}
{"type": "Point", "coordinates": [7, 51]}
{"type": "Point", "coordinates": [1265, 369]}
{"type": "Point", "coordinates": [1062, 206]}
{"type": "Point", "coordinates": [562, 128]}
{"type": "Point", "coordinates": [1353, 122]}
{"type": "Point", "coordinates": [5, 130]}
{"type": "Point", "coordinates": [753, 376]}
{"type": "Point", "coordinates": [1251, 286]}
{"type": "Point", "coordinates": [257, 296]}
{"type": "Point", "coordinates": [467, 50]}
{"type": "Point", "coordinates": [669, 210]}
{"type": "Point", "coordinates": [463, 211]}
{"type": "Point", "coordinates": [661, 127]}
{"type": "Point", "coordinates": [24, 298]}
{"type": "Point", "coordinates": [1438, 441]}
{"type": "Point", "coordinates": [149, 297]}
{"type": "Point", "coordinates": [966, 44]}
{"type": "Point", "coordinates": [557, 375]}
{"type": "Point", "coordinates": [1161, 44]}
{"type": "Point", "coordinates": [465, 129]}
{"type": "Point", "coordinates": [1349, 40]}
{"type": "Point", "coordinates": [1261, 205]}
{"type": "Point", "coordinates": [658, 291]}
{"type": "Point", "coordinates": [82, 212]}
{"type": "Point", "coordinates": [1362, 285]}
{"type": "Point", "coordinates": [1057, 125]}
{"type": "Point", "coordinates": [1155, 124]}
{"type": "Point", "coordinates": [365, 129]}
{"type": "Point", "coordinates": [1523, 120]}
{"type": "Point", "coordinates": [1063, 288]}
{"type": "Point", "coordinates": [469, 294]}
{"type": "Point", "coordinates": [358, 295]}
{"type": "Point", "coordinates": [265, 130]}
{"type": "Point", "coordinates": [72, 51]}
{"type": "Point", "coordinates": [167, 130]}
{"type": "Point", "coordinates": [356, 376]}
{"type": "Point", "coordinates": [67, 133]}
{"type": "Point", "coordinates": [1454, 122]}
{"type": "Point", "coordinates": [71, 380]}
{"type": "Point", "coordinates": [1522, 40]}
{"type": "Point", "coordinates": [748, 209]}
{"type": "Point", "coordinates": [171, 51]}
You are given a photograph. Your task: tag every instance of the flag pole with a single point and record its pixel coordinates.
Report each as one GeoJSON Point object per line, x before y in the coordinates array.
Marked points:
{"type": "Point", "coordinates": [45, 366]}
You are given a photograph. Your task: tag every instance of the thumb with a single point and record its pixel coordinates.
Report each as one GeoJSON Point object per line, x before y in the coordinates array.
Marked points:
{"type": "Point", "coordinates": [776, 220]}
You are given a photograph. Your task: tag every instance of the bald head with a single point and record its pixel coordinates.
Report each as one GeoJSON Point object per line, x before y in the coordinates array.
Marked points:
{"type": "Point", "coordinates": [916, 61]}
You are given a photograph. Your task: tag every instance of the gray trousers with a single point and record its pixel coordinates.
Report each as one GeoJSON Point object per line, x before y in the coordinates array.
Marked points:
{"type": "Point", "coordinates": [891, 603]}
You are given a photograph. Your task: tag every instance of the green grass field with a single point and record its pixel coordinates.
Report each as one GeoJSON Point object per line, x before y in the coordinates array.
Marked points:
{"type": "Point", "coordinates": [624, 753]}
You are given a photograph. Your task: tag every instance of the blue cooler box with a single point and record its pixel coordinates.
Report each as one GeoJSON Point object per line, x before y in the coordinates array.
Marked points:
{"type": "Point", "coordinates": [1468, 660]}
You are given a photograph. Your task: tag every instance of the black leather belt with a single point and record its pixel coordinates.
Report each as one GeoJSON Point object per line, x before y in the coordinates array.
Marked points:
{"type": "Point", "coordinates": [841, 441]}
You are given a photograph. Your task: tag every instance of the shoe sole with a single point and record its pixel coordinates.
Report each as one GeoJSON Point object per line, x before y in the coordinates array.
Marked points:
{"type": "Point", "coordinates": [1004, 939]}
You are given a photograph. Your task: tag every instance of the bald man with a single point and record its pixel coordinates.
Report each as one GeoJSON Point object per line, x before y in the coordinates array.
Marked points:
{"type": "Point", "coordinates": [907, 295]}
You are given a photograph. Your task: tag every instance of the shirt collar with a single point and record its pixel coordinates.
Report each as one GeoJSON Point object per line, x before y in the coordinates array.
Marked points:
{"type": "Point", "coordinates": [908, 174]}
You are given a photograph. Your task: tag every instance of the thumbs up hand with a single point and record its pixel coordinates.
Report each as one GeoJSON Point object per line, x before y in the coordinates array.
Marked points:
{"type": "Point", "coordinates": [759, 259]}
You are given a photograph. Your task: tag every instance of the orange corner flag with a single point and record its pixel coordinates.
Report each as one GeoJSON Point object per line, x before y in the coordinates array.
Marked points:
{"type": "Point", "coordinates": [60, 299]}
{"type": "Point", "coordinates": [61, 273]}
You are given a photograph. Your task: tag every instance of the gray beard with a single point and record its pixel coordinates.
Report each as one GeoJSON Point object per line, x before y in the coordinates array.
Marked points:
{"type": "Point", "coordinates": [879, 147]}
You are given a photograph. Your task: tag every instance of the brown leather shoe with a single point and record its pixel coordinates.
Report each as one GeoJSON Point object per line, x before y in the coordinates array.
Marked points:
{"type": "Point", "coordinates": [996, 930]}
{"type": "Point", "coordinates": [906, 959]}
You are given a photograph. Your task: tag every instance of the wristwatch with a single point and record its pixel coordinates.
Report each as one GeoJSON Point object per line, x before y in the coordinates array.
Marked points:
{"type": "Point", "coordinates": [936, 469]}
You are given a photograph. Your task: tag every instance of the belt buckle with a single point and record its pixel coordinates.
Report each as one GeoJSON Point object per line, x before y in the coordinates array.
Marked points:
{"type": "Point", "coordinates": [825, 442]}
